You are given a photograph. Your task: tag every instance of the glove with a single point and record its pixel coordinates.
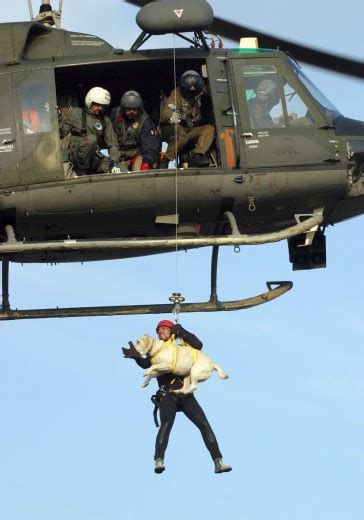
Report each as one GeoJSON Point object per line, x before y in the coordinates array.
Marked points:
{"type": "Point", "coordinates": [144, 166]}
{"type": "Point", "coordinates": [175, 118]}
{"type": "Point", "coordinates": [130, 353]}
{"type": "Point", "coordinates": [177, 329]}
{"type": "Point", "coordinates": [115, 167]}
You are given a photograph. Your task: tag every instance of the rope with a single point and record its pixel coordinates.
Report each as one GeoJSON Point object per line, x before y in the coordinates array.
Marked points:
{"type": "Point", "coordinates": [176, 159]}
{"type": "Point", "coordinates": [176, 308]}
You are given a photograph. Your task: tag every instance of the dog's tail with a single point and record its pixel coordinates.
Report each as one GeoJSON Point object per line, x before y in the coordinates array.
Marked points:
{"type": "Point", "coordinates": [220, 371]}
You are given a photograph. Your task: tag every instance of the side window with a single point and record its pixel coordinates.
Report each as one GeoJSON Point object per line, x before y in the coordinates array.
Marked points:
{"type": "Point", "coordinates": [263, 96]}
{"type": "Point", "coordinates": [298, 113]}
{"type": "Point", "coordinates": [34, 101]}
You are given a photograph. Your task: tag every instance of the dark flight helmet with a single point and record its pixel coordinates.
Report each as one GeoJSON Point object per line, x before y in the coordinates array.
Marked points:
{"type": "Point", "coordinates": [191, 83]}
{"type": "Point", "coordinates": [131, 99]}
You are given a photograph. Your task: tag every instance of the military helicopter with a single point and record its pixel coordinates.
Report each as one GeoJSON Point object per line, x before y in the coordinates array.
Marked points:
{"type": "Point", "coordinates": [286, 179]}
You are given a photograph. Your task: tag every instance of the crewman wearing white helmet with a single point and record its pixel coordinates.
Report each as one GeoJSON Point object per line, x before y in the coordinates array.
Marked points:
{"type": "Point", "coordinates": [90, 129]}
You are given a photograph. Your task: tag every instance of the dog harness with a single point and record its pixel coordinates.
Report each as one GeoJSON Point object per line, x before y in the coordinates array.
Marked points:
{"type": "Point", "coordinates": [166, 345]}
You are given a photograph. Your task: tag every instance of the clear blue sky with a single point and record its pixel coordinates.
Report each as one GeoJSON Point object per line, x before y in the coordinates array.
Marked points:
{"type": "Point", "coordinates": [77, 435]}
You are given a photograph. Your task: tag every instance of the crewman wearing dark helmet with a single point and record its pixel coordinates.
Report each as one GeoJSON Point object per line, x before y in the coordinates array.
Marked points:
{"type": "Point", "coordinates": [181, 121]}
{"type": "Point", "coordinates": [138, 138]}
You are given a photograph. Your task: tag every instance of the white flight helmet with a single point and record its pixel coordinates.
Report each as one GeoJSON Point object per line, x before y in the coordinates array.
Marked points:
{"type": "Point", "coordinates": [97, 95]}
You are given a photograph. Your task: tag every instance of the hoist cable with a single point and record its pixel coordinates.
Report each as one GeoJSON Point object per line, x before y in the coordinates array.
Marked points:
{"type": "Point", "coordinates": [176, 160]}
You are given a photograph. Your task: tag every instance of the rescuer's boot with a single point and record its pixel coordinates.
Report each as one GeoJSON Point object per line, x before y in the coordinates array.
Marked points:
{"type": "Point", "coordinates": [159, 466]}
{"type": "Point", "coordinates": [220, 467]}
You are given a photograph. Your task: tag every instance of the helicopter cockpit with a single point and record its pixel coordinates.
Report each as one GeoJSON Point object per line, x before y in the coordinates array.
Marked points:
{"type": "Point", "coordinates": [327, 106]}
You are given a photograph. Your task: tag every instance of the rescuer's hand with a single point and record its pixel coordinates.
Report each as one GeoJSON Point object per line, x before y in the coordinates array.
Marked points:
{"type": "Point", "coordinates": [175, 118]}
{"type": "Point", "coordinates": [130, 353]}
{"type": "Point", "coordinates": [177, 330]}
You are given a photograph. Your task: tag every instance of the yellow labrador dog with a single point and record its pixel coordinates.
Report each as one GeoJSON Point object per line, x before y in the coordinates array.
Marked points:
{"type": "Point", "coordinates": [168, 357]}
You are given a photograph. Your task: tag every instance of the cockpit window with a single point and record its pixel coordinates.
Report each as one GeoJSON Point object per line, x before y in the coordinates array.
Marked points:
{"type": "Point", "coordinates": [297, 110]}
{"type": "Point", "coordinates": [330, 110]}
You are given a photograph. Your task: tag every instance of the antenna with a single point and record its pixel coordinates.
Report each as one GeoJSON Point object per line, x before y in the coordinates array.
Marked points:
{"type": "Point", "coordinates": [30, 9]}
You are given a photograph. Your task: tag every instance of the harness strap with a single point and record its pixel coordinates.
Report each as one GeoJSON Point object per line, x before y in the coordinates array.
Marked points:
{"type": "Point", "coordinates": [163, 347]}
{"type": "Point", "coordinates": [175, 356]}
{"type": "Point", "coordinates": [84, 127]}
{"type": "Point", "coordinates": [194, 354]}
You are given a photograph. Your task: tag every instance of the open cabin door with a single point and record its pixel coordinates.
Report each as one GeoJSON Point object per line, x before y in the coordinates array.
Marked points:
{"type": "Point", "coordinates": [280, 124]}
{"type": "Point", "coordinates": [8, 173]}
{"type": "Point", "coordinates": [38, 143]}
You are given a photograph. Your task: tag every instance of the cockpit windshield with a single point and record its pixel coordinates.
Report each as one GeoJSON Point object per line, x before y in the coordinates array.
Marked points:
{"type": "Point", "coordinates": [330, 110]}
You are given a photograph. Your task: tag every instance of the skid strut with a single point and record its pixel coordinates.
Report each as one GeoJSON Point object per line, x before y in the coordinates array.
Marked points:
{"type": "Point", "coordinates": [275, 289]}
{"type": "Point", "coordinates": [11, 248]}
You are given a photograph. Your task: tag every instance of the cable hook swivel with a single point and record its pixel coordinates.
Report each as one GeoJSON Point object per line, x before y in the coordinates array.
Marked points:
{"type": "Point", "coordinates": [177, 299]}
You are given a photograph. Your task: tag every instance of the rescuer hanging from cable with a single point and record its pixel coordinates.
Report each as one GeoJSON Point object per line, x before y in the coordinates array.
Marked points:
{"type": "Point", "coordinates": [169, 404]}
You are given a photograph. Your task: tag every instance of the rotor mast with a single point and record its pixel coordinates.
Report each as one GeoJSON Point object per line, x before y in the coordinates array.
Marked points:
{"type": "Point", "coordinates": [47, 15]}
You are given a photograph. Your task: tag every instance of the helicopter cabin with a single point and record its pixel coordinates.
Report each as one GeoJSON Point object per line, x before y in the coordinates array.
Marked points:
{"type": "Point", "coordinates": [55, 68]}
{"type": "Point", "coordinates": [271, 123]}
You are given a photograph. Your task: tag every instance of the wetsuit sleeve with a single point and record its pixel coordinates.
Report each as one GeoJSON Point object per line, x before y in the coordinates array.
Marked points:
{"type": "Point", "coordinates": [190, 338]}
{"type": "Point", "coordinates": [150, 142]}
{"type": "Point", "coordinates": [143, 362]}
{"type": "Point", "coordinates": [111, 140]}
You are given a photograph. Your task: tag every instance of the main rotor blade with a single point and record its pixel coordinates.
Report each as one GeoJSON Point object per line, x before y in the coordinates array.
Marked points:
{"type": "Point", "coordinates": [311, 56]}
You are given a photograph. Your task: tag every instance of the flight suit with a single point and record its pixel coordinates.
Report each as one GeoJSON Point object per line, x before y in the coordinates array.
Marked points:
{"type": "Point", "coordinates": [190, 128]}
{"type": "Point", "coordinates": [138, 140]}
{"type": "Point", "coordinates": [89, 134]}
{"type": "Point", "coordinates": [259, 115]}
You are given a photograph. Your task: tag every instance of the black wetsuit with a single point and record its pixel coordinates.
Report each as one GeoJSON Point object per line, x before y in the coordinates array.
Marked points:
{"type": "Point", "coordinates": [170, 404]}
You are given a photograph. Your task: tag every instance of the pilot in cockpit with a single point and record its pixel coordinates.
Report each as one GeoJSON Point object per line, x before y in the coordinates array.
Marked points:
{"type": "Point", "coordinates": [267, 96]}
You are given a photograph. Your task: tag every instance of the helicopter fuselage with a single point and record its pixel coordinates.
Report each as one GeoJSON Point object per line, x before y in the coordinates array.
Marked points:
{"type": "Point", "coordinates": [264, 175]}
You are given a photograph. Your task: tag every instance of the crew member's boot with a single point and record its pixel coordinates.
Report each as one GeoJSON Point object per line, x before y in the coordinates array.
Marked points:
{"type": "Point", "coordinates": [220, 467]}
{"type": "Point", "coordinates": [199, 160]}
{"type": "Point", "coordinates": [163, 164]}
{"type": "Point", "coordinates": [159, 466]}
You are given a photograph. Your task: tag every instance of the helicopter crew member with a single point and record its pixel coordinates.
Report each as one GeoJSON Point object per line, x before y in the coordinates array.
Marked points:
{"type": "Point", "coordinates": [169, 404]}
{"type": "Point", "coordinates": [91, 130]}
{"type": "Point", "coordinates": [267, 96]}
{"type": "Point", "coordinates": [182, 115]}
{"type": "Point", "coordinates": [138, 139]}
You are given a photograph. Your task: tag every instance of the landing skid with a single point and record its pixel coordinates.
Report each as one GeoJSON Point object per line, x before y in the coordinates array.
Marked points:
{"type": "Point", "coordinates": [275, 289]}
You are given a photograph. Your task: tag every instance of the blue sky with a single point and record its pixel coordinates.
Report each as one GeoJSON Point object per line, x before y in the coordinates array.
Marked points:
{"type": "Point", "coordinates": [77, 435]}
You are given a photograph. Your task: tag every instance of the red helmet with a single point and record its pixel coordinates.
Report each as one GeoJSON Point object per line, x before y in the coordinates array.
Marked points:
{"type": "Point", "coordinates": [164, 323]}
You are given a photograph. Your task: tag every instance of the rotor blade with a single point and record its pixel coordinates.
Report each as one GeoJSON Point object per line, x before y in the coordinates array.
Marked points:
{"type": "Point", "coordinates": [312, 56]}
{"type": "Point", "coordinates": [299, 52]}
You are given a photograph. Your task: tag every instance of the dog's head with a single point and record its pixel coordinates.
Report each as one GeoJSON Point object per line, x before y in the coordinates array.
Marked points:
{"type": "Point", "coordinates": [144, 344]}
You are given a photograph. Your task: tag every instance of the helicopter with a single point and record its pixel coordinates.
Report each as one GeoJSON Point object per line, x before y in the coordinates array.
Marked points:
{"type": "Point", "coordinates": [285, 181]}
